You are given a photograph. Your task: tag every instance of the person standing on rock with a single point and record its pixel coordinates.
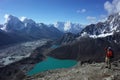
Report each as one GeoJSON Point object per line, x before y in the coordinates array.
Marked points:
{"type": "Point", "coordinates": [109, 55]}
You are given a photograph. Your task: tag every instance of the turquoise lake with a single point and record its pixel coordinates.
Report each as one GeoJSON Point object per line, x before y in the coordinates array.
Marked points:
{"type": "Point", "coordinates": [51, 63]}
{"type": "Point", "coordinates": [55, 46]}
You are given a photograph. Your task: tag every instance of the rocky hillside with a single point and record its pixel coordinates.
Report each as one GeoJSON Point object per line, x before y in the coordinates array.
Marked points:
{"type": "Point", "coordinates": [18, 64]}
{"type": "Point", "coordinates": [94, 71]}
{"type": "Point", "coordinates": [88, 49]}
{"type": "Point", "coordinates": [67, 38]}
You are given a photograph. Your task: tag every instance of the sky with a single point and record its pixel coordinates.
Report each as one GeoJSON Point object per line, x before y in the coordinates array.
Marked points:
{"type": "Point", "coordinates": [51, 11]}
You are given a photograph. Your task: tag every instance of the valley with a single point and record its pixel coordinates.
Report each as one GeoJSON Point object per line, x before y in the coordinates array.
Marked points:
{"type": "Point", "coordinates": [25, 43]}
{"type": "Point", "coordinates": [19, 51]}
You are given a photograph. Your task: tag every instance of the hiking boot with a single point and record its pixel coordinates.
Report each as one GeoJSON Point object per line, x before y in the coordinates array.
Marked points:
{"type": "Point", "coordinates": [106, 66]}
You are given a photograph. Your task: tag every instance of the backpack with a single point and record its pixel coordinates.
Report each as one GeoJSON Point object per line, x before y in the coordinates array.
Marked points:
{"type": "Point", "coordinates": [110, 54]}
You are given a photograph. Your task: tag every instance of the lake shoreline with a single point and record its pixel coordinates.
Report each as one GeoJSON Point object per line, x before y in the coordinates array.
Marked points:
{"type": "Point", "coordinates": [51, 63]}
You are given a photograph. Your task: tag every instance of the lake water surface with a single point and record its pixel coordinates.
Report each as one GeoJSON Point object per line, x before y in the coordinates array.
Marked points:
{"type": "Point", "coordinates": [51, 63]}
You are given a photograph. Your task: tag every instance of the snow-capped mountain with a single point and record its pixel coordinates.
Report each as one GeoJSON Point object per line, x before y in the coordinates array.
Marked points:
{"type": "Point", "coordinates": [100, 30]}
{"type": "Point", "coordinates": [28, 21]}
{"type": "Point", "coordinates": [12, 23]}
{"type": "Point", "coordinates": [68, 27]}
{"type": "Point", "coordinates": [103, 29]}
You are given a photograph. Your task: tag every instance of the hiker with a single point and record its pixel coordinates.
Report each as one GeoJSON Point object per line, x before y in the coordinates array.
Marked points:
{"type": "Point", "coordinates": [109, 55]}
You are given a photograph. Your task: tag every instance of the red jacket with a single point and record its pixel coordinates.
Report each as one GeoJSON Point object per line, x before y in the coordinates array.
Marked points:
{"type": "Point", "coordinates": [109, 53]}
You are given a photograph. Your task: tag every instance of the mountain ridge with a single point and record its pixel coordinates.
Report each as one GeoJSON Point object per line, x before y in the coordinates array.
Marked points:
{"type": "Point", "coordinates": [111, 25]}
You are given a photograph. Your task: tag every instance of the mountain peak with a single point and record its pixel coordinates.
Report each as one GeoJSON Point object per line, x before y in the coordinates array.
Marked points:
{"type": "Point", "coordinates": [9, 17]}
{"type": "Point", "coordinates": [11, 22]}
{"type": "Point", "coordinates": [26, 20]}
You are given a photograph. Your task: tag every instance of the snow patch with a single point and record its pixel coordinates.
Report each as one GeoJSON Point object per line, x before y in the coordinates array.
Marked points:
{"type": "Point", "coordinates": [101, 35]}
{"type": "Point", "coordinates": [22, 18]}
{"type": "Point", "coordinates": [4, 28]}
{"type": "Point", "coordinates": [84, 34]}
{"type": "Point", "coordinates": [119, 13]}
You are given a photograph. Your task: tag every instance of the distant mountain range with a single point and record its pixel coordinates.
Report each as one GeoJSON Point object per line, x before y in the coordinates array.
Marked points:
{"type": "Point", "coordinates": [25, 30]}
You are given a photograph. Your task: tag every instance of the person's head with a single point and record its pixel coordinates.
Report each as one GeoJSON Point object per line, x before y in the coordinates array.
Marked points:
{"type": "Point", "coordinates": [109, 48]}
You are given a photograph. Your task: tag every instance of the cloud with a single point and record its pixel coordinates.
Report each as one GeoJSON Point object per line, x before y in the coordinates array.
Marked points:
{"type": "Point", "coordinates": [67, 25]}
{"type": "Point", "coordinates": [81, 11]}
{"type": "Point", "coordinates": [102, 18]}
{"type": "Point", "coordinates": [6, 16]}
{"type": "Point", "coordinates": [91, 19]}
{"type": "Point", "coordinates": [112, 7]}
{"type": "Point", "coordinates": [94, 20]}
{"type": "Point", "coordinates": [22, 18]}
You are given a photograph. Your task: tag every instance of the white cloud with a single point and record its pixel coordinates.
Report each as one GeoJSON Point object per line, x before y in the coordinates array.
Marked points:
{"type": "Point", "coordinates": [112, 7]}
{"type": "Point", "coordinates": [22, 18]}
{"type": "Point", "coordinates": [67, 25]}
{"type": "Point", "coordinates": [102, 18]}
{"type": "Point", "coordinates": [6, 16]}
{"type": "Point", "coordinates": [91, 19]}
{"type": "Point", "coordinates": [81, 11]}
{"type": "Point", "coordinates": [94, 20]}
